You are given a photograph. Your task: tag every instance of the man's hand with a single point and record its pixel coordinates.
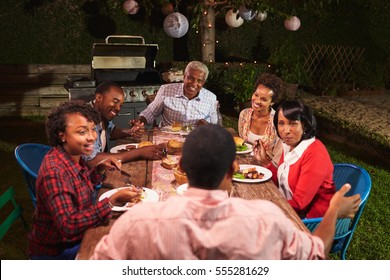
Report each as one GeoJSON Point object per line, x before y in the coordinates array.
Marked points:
{"type": "Point", "coordinates": [346, 207]}
{"type": "Point", "coordinates": [137, 128]}
{"type": "Point", "coordinates": [201, 122]}
{"type": "Point", "coordinates": [154, 152]}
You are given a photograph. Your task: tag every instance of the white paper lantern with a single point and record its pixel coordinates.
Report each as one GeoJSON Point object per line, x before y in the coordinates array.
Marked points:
{"type": "Point", "coordinates": [245, 13]}
{"type": "Point", "coordinates": [176, 25]}
{"type": "Point", "coordinates": [292, 23]}
{"type": "Point", "coordinates": [131, 7]}
{"type": "Point", "coordinates": [232, 20]}
{"type": "Point", "coordinates": [261, 16]}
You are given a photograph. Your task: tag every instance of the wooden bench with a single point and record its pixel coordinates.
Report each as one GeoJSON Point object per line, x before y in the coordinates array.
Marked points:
{"type": "Point", "coordinates": [34, 89]}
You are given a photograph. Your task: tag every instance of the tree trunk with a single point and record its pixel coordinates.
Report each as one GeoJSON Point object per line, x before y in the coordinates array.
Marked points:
{"type": "Point", "coordinates": [207, 32]}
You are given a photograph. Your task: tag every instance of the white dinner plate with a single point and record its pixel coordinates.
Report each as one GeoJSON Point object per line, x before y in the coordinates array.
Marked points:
{"type": "Point", "coordinates": [267, 174]}
{"type": "Point", "coordinates": [115, 149]}
{"type": "Point", "coordinates": [248, 150]}
{"type": "Point", "coordinates": [182, 189]}
{"type": "Point", "coordinates": [149, 195]}
{"type": "Point", "coordinates": [168, 129]}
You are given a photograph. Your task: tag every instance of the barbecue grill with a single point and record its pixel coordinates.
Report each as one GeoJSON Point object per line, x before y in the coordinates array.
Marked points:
{"type": "Point", "coordinates": [131, 65]}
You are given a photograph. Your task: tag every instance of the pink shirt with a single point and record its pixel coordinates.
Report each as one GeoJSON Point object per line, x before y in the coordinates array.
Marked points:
{"type": "Point", "coordinates": [207, 225]}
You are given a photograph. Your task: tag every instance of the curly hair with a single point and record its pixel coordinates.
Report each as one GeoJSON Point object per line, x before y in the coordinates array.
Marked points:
{"type": "Point", "coordinates": [272, 82]}
{"type": "Point", "coordinates": [56, 121]}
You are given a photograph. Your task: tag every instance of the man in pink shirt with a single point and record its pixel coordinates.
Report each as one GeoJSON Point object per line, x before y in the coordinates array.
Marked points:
{"type": "Point", "coordinates": [206, 224]}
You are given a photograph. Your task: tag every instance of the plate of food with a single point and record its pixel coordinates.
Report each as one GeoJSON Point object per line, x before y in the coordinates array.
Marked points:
{"type": "Point", "coordinates": [148, 195]}
{"type": "Point", "coordinates": [123, 148]}
{"type": "Point", "coordinates": [182, 189]}
{"type": "Point", "coordinates": [175, 128]}
{"type": "Point", "coordinates": [248, 173]}
{"type": "Point", "coordinates": [241, 146]}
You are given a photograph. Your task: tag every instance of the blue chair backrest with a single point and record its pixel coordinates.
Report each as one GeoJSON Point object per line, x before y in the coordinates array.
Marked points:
{"type": "Point", "coordinates": [29, 156]}
{"type": "Point", "coordinates": [360, 182]}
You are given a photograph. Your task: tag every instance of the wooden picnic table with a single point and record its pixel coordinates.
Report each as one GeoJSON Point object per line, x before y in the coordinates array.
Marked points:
{"type": "Point", "coordinates": [152, 175]}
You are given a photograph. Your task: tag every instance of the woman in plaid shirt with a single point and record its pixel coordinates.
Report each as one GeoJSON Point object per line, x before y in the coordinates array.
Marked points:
{"type": "Point", "coordinates": [65, 186]}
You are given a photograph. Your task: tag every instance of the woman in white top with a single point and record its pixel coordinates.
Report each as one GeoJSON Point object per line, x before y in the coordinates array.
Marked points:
{"type": "Point", "coordinates": [255, 124]}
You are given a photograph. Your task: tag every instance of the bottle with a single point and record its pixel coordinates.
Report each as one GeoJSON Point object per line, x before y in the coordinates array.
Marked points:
{"type": "Point", "coordinates": [218, 113]}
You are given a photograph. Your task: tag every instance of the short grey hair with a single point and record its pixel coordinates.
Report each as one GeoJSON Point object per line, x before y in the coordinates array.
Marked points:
{"type": "Point", "coordinates": [197, 65]}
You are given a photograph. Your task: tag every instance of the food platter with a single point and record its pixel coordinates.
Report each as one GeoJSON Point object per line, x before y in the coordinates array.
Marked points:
{"type": "Point", "coordinates": [182, 189]}
{"type": "Point", "coordinates": [248, 150]}
{"type": "Point", "coordinates": [117, 149]}
{"type": "Point", "coordinates": [168, 129]}
{"type": "Point", "coordinates": [148, 195]}
{"type": "Point", "coordinates": [267, 174]}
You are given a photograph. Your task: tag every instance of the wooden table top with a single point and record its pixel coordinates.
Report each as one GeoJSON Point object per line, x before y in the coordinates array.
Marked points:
{"type": "Point", "coordinates": [141, 175]}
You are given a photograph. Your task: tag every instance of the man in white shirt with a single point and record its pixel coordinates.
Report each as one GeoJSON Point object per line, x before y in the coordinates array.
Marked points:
{"type": "Point", "coordinates": [186, 102]}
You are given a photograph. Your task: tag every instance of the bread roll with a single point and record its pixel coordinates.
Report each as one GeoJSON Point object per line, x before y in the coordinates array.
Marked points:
{"type": "Point", "coordinates": [144, 144]}
{"type": "Point", "coordinates": [174, 146]}
{"type": "Point", "coordinates": [176, 126]}
{"type": "Point", "coordinates": [169, 162]}
{"type": "Point", "coordinates": [238, 141]}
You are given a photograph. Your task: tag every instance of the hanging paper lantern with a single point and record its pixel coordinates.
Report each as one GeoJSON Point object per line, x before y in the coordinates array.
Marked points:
{"type": "Point", "coordinates": [131, 7]}
{"type": "Point", "coordinates": [261, 16]}
{"type": "Point", "coordinates": [292, 23]}
{"type": "Point", "coordinates": [245, 13]}
{"type": "Point", "coordinates": [176, 25]}
{"type": "Point", "coordinates": [167, 9]}
{"type": "Point", "coordinates": [233, 19]}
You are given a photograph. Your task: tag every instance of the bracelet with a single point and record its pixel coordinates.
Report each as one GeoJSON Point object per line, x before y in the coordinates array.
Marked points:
{"type": "Point", "coordinates": [110, 204]}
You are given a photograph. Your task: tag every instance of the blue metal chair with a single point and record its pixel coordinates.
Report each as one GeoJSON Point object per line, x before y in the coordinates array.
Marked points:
{"type": "Point", "coordinates": [29, 156]}
{"type": "Point", "coordinates": [360, 181]}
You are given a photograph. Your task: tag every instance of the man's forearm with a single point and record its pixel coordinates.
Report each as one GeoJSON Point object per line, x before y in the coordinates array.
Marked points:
{"type": "Point", "coordinates": [326, 229]}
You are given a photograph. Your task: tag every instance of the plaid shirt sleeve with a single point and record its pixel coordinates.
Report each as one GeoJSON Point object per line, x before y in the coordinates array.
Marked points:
{"type": "Point", "coordinates": [65, 209]}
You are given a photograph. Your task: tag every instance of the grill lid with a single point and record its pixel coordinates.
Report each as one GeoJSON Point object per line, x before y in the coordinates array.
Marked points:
{"type": "Point", "coordinates": [125, 63]}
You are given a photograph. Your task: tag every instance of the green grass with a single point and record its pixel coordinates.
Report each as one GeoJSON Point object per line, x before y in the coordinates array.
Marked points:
{"type": "Point", "coordinates": [371, 239]}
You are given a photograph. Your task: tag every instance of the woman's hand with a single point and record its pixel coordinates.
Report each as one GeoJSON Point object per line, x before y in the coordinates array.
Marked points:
{"type": "Point", "coordinates": [126, 195]}
{"type": "Point", "coordinates": [260, 153]}
{"type": "Point", "coordinates": [108, 163]}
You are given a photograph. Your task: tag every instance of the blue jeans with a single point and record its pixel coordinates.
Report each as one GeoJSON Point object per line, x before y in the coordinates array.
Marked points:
{"type": "Point", "coordinates": [67, 254]}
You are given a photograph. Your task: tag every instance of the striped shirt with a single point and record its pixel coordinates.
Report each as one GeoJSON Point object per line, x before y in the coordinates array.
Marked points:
{"type": "Point", "coordinates": [172, 105]}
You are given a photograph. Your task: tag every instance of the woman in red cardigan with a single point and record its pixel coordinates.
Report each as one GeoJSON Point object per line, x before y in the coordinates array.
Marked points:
{"type": "Point", "coordinates": [305, 171]}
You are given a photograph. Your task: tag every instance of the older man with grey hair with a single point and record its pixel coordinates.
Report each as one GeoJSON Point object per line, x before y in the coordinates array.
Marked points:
{"type": "Point", "coordinates": [187, 102]}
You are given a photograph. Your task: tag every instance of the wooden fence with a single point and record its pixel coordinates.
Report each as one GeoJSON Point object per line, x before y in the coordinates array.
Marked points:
{"type": "Point", "coordinates": [34, 89]}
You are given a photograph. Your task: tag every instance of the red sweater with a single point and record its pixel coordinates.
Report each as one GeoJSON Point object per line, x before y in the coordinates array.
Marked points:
{"type": "Point", "coordinates": [311, 181]}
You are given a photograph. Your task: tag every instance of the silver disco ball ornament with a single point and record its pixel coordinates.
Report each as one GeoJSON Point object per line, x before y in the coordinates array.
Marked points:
{"type": "Point", "coordinates": [176, 25]}
{"type": "Point", "coordinates": [245, 13]}
{"type": "Point", "coordinates": [261, 16]}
